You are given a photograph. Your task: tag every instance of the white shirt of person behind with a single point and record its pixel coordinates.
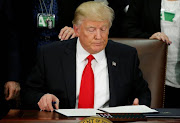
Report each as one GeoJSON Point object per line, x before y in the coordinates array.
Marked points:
{"type": "Point", "coordinates": [170, 25]}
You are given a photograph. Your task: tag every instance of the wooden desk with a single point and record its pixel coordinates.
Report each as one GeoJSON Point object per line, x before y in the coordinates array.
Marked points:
{"type": "Point", "coordinates": [35, 116]}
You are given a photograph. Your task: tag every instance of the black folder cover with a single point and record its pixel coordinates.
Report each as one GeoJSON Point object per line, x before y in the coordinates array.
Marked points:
{"type": "Point", "coordinates": [123, 116]}
{"type": "Point", "coordinates": [165, 113]}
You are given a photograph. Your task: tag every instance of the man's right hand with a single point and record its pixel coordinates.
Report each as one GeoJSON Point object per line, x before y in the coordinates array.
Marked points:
{"type": "Point", "coordinates": [45, 103]}
{"type": "Point", "coordinates": [11, 90]}
{"type": "Point", "coordinates": [161, 36]}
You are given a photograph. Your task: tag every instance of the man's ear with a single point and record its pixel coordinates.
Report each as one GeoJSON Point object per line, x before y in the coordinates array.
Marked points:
{"type": "Point", "coordinates": [76, 30]}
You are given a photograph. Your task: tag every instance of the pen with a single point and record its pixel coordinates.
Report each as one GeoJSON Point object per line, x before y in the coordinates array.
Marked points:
{"type": "Point", "coordinates": [53, 103]}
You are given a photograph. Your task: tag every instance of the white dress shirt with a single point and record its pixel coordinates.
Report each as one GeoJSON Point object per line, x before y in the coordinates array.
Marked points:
{"type": "Point", "coordinates": [101, 79]}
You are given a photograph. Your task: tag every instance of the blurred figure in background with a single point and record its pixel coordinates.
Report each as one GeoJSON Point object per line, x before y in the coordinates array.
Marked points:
{"type": "Point", "coordinates": [162, 22]}
{"type": "Point", "coordinates": [10, 58]}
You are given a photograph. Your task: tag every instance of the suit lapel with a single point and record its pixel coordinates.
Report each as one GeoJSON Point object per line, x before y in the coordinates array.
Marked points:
{"type": "Point", "coordinates": [112, 63]}
{"type": "Point", "coordinates": [155, 7]}
{"type": "Point", "coordinates": [69, 67]}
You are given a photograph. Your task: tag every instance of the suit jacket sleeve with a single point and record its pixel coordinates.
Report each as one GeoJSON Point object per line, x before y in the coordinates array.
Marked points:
{"type": "Point", "coordinates": [141, 90]}
{"type": "Point", "coordinates": [34, 88]}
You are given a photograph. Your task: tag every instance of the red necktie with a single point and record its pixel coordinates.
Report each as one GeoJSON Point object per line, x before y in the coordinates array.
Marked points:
{"type": "Point", "coordinates": [86, 94]}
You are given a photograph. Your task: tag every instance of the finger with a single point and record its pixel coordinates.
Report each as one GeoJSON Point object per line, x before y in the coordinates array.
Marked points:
{"type": "Point", "coordinates": [56, 105]}
{"type": "Point", "coordinates": [63, 37]}
{"type": "Point", "coordinates": [68, 35]}
{"type": "Point", "coordinates": [164, 38]}
{"type": "Point", "coordinates": [159, 38]}
{"type": "Point", "coordinates": [49, 103]}
{"type": "Point", "coordinates": [62, 31]}
{"type": "Point", "coordinates": [73, 35]}
{"type": "Point", "coordinates": [136, 101]}
{"type": "Point", "coordinates": [11, 93]}
{"type": "Point", "coordinates": [43, 102]}
{"type": "Point", "coordinates": [167, 40]}
{"type": "Point", "coordinates": [40, 105]}
{"type": "Point", "coordinates": [154, 36]}
{"type": "Point", "coordinates": [56, 100]}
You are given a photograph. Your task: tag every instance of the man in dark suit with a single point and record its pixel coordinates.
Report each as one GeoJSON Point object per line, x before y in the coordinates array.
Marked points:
{"type": "Point", "coordinates": [57, 75]}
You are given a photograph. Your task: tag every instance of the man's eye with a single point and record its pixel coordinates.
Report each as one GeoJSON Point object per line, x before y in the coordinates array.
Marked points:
{"type": "Point", "coordinates": [103, 29]}
{"type": "Point", "coordinates": [91, 29]}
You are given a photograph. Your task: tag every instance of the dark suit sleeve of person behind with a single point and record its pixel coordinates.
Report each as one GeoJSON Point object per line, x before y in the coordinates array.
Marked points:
{"type": "Point", "coordinates": [119, 26]}
{"type": "Point", "coordinates": [127, 78]}
{"type": "Point", "coordinates": [139, 19]}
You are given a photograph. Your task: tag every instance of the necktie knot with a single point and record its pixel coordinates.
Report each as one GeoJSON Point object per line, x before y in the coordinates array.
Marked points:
{"type": "Point", "coordinates": [90, 58]}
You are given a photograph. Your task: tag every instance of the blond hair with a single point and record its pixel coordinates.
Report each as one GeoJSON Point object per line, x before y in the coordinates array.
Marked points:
{"type": "Point", "coordinates": [95, 11]}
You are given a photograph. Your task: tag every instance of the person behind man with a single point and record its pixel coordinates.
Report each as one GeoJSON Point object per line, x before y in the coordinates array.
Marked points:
{"type": "Point", "coordinates": [161, 22]}
{"type": "Point", "coordinates": [3, 102]}
{"type": "Point", "coordinates": [9, 52]}
{"type": "Point", "coordinates": [116, 78]}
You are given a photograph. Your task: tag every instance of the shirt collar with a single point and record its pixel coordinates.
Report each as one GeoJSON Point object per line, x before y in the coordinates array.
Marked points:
{"type": "Point", "coordinates": [81, 53]}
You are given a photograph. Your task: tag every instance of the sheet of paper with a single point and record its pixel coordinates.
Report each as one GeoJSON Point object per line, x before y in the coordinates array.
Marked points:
{"type": "Point", "coordinates": [129, 109]}
{"type": "Point", "coordinates": [78, 112]}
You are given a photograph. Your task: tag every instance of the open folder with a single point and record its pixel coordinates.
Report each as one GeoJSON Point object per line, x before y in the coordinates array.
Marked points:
{"type": "Point", "coordinates": [139, 109]}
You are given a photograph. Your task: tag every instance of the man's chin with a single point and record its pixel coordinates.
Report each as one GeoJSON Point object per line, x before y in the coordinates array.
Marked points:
{"type": "Point", "coordinates": [97, 50]}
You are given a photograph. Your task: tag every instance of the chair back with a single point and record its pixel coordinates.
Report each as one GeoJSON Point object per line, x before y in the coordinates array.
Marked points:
{"type": "Point", "coordinates": [152, 55]}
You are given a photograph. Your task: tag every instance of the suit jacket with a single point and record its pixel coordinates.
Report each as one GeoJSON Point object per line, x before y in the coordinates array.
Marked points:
{"type": "Point", "coordinates": [55, 73]}
{"type": "Point", "coordinates": [9, 47]}
{"type": "Point", "coordinates": [143, 18]}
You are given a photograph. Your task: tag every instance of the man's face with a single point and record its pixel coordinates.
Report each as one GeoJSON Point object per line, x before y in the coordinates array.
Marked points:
{"type": "Point", "coordinates": [93, 35]}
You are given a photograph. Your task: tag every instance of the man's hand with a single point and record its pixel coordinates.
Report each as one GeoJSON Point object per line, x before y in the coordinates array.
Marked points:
{"type": "Point", "coordinates": [66, 33]}
{"type": "Point", "coordinates": [11, 90]}
{"type": "Point", "coordinates": [161, 36]}
{"type": "Point", "coordinates": [45, 103]}
{"type": "Point", "coordinates": [136, 101]}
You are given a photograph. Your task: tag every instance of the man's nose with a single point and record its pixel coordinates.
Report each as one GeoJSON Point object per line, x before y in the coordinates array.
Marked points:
{"type": "Point", "coordinates": [98, 34]}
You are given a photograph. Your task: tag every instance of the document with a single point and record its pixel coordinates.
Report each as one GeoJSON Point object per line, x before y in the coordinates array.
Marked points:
{"type": "Point", "coordinates": [119, 109]}
{"type": "Point", "coordinates": [78, 112]}
{"type": "Point", "coordinates": [129, 109]}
